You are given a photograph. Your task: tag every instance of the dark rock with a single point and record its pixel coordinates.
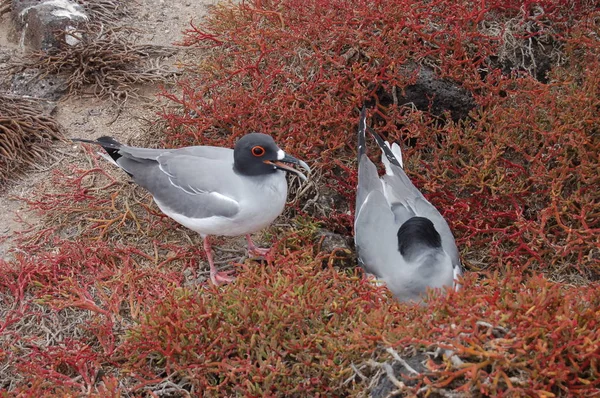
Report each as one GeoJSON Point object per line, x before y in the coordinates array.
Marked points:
{"type": "Point", "coordinates": [30, 83]}
{"type": "Point", "coordinates": [48, 24]}
{"type": "Point", "coordinates": [330, 241]}
{"type": "Point", "coordinates": [443, 95]}
{"type": "Point", "coordinates": [337, 246]}
{"type": "Point", "coordinates": [431, 94]}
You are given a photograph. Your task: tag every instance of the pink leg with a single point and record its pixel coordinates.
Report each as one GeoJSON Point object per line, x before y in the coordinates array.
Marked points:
{"type": "Point", "coordinates": [254, 250]}
{"type": "Point", "coordinates": [217, 278]}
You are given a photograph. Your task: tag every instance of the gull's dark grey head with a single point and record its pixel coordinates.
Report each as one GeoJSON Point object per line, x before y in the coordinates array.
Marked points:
{"type": "Point", "coordinates": [417, 233]}
{"type": "Point", "coordinates": [257, 154]}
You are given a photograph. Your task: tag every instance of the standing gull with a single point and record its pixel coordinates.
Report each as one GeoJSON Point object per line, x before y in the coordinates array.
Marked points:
{"type": "Point", "coordinates": [212, 190]}
{"type": "Point", "coordinates": [400, 237]}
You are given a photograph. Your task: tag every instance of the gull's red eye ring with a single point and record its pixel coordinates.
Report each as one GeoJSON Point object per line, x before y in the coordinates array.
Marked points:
{"type": "Point", "coordinates": [258, 151]}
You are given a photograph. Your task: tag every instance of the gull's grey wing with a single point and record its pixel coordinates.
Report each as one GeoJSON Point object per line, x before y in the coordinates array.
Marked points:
{"type": "Point", "coordinates": [368, 181]}
{"type": "Point", "coordinates": [196, 182]}
{"type": "Point", "coordinates": [206, 152]}
{"type": "Point", "coordinates": [187, 184]}
{"type": "Point", "coordinates": [139, 154]}
{"type": "Point", "coordinates": [387, 151]}
{"type": "Point", "coordinates": [402, 188]}
{"type": "Point", "coordinates": [362, 125]}
{"type": "Point", "coordinates": [374, 224]}
{"type": "Point", "coordinates": [375, 236]}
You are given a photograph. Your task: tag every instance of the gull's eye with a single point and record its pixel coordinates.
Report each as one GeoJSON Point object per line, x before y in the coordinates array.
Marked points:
{"type": "Point", "coordinates": [258, 151]}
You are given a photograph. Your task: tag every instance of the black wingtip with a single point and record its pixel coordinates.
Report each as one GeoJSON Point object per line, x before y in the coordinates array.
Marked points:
{"type": "Point", "coordinates": [104, 141]}
{"type": "Point", "coordinates": [384, 148]}
{"type": "Point", "coordinates": [107, 140]}
{"type": "Point", "coordinates": [362, 125]}
{"type": "Point", "coordinates": [110, 145]}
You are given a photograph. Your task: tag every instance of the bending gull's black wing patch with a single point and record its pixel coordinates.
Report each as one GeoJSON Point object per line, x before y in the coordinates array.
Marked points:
{"type": "Point", "coordinates": [416, 233]}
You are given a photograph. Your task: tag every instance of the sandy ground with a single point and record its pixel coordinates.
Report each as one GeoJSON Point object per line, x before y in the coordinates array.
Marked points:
{"type": "Point", "coordinates": [160, 22]}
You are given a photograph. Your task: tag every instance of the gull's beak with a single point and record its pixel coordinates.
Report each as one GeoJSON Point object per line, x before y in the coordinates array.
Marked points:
{"type": "Point", "coordinates": [280, 164]}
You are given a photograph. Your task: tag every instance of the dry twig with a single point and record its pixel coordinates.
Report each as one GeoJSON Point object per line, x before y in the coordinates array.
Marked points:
{"type": "Point", "coordinates": [5, 7]}
{"type": "Point", "coordinates": [25, 134]}
{"type": "Point", "coordinates": [108, 12]}
{"type": "Point", "coordinates": [104, 63]}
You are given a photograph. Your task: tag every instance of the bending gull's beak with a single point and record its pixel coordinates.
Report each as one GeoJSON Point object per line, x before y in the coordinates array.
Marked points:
{"type": "Point", "coordinates": [280, 164]}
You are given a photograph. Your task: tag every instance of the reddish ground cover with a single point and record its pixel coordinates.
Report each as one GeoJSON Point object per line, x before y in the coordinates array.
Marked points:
{"type": "Point", "coordinates": [100, 302]}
